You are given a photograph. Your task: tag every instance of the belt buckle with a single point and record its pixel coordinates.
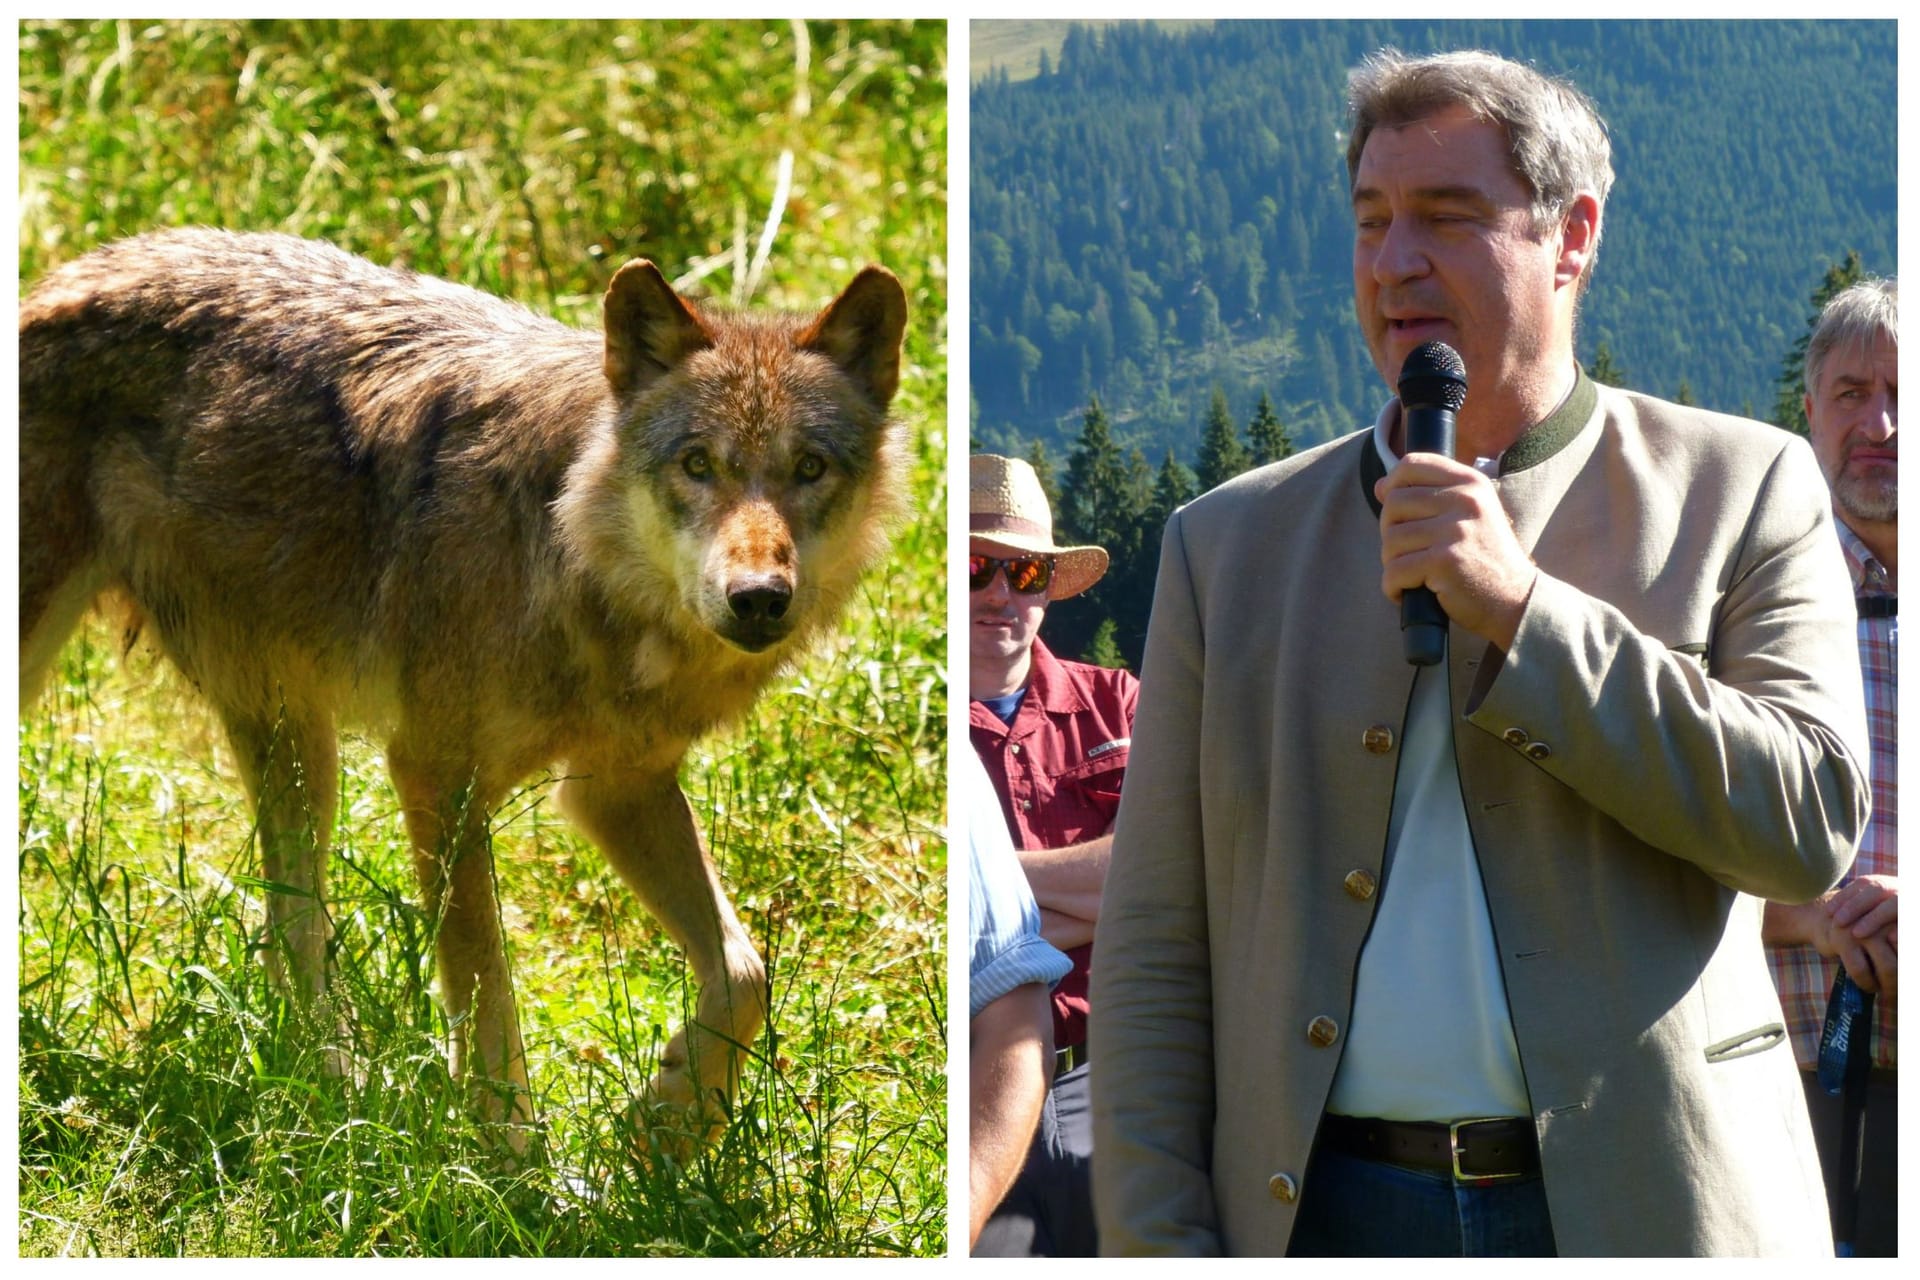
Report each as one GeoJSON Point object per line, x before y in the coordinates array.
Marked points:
{"type": "Point", "coordinates": [1453, 1149]}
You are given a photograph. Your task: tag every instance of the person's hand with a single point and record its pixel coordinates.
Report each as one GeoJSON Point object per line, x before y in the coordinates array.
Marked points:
{"type": "Point", "coordinates": [1864, 919]}
{"type": "Point", "coordinates": [1442, 527]}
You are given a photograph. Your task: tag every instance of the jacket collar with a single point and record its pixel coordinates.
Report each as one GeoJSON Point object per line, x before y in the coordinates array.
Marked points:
{"type": "Point", "coordinates": [1542, 441]}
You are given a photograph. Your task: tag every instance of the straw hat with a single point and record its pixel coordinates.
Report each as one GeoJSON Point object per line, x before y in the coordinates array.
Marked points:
{"type": "Point", "coordinates": [1006, 506]}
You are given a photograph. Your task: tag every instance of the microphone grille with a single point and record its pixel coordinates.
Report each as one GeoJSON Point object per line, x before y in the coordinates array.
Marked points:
{"type": "Point", "coordinates": [1434, 375]}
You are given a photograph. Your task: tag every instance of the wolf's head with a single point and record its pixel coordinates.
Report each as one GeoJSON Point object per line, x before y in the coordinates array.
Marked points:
{"type": "Point", "coordinates": [752, 463]}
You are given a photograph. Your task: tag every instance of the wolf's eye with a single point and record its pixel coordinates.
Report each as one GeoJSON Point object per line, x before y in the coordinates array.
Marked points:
{"type": "Point", "coordinates": [810, 467]}
{"type": "Point", "coordinates": [698, 464]}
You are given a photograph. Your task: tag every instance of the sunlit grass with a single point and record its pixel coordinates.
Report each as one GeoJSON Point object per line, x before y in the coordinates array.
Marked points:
{"type": "Point", "coordinates": [167, 1107]}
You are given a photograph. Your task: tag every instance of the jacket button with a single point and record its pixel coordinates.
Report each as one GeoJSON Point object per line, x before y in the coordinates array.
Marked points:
{"type": "Point", "coordinates": [1378, 740]}
{"type": "Point", "coordinates": [1323, 1031]}
{"type": "Point", "coordinates": [1538, 751]}
{"type": "Point", "coordinates": [1015, 748]}
{"type": "Point", "coordinates": [1515, 737]}
{"type": "Point", "coordinates": [1360, 884]}
{"type": "Point", "coordinates": [1283, 1188]}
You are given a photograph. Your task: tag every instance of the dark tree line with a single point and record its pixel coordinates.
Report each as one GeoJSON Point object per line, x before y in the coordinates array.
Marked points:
{"type": "Point", "coordinates": [1162, 215]}
{"type": "Point", "coordinates": [1113, 497]}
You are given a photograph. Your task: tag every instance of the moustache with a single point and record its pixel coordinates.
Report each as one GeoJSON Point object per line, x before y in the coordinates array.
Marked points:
{"type": "Point", "coordinates": [1388, 303]}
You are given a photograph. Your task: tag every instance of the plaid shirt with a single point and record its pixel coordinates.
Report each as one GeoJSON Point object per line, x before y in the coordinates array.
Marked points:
{"type": "Point", "coordinates": [1804, 977]}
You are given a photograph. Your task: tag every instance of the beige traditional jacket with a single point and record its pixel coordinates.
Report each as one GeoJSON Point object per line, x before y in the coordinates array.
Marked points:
{"type": "Point", "coordinates": [1676, 733]}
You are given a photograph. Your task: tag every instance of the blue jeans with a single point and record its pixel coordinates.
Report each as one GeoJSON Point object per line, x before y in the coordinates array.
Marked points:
{"type": "Point", "coordinates": [1356, 1208]}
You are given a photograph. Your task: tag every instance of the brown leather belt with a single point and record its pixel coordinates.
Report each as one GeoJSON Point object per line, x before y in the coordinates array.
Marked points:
{"type": "Point", "coordinates": [1469, 1150]}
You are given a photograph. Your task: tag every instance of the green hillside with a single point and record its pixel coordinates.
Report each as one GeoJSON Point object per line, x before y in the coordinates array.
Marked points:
{"type": "Point", "coordinates": [1164, 212]}
{"type": "Point", "coordinates": [1016, 45]}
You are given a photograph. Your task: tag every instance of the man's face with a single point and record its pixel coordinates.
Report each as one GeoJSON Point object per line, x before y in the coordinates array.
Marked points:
{"type": "Point", "coordinates": [1852, 417]}
{"type": "Point", "coordinates": [1444, 249]}
{"type": "Point", "coordinates": [1002, 622]}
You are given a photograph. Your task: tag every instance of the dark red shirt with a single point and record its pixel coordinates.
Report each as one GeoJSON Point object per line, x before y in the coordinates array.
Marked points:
{"type": "Point", "coordinates": [1057, 770]}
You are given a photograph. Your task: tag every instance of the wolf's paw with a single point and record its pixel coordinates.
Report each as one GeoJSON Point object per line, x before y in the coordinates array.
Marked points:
{"type": "Point", "coordinates": [338, 1063]}
{"type": "Point", "coordinates": [514, 1146]}
{"type": "Point", "coordinates": [322, 1036]}
{"type": "Point", "coordinates": [503, 1117]}
{"type": "Point", "coordinates": [670, 1120]}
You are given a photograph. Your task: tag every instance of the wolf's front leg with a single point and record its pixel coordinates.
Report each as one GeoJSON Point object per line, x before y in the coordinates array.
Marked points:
{"type": "Point", "coordinates": [642, 823]}
{"type": "Point", "coordinates": [446, 811]}
{"type": "Point", "coordinates": [289, 761]}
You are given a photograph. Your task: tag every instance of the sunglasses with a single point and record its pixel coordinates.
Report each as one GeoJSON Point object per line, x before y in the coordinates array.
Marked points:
{"type": "Point", "coordinates": [1025, 574]}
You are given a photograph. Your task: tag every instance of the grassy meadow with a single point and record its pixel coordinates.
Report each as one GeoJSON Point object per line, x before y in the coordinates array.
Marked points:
{"type": "Point", "coordinates": [166, 1107]}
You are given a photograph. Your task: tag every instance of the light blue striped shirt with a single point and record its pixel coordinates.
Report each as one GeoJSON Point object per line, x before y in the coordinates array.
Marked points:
{"type": "Point", "coordinates": [1007, 948]}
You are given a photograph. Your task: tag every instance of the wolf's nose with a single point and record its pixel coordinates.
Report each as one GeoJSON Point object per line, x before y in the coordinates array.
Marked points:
{"type": "Point", "coordinates": [760, 599]}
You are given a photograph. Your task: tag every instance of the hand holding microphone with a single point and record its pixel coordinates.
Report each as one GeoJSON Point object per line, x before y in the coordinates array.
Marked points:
{"type": "Point", "coordinates": [1433, 386]}
{"type": "Point", "coordinates": [1447, 547]}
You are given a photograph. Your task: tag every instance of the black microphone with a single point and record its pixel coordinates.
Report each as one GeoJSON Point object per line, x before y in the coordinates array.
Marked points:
{"type": "Point", "coordinates": [1433, 386]}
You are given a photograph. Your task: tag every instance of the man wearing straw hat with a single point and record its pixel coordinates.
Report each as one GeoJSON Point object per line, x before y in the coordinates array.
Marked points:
{"type": "Point", "coordinates": [1054, 737]}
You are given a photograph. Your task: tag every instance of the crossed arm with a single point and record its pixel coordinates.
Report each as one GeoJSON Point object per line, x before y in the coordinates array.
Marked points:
{"type": "Point", "coordinates": [1067, 882]}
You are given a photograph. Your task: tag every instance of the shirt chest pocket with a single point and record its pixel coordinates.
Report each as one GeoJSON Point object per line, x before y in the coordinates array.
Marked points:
{"type": "Point", "coordinates": [1085, 797]}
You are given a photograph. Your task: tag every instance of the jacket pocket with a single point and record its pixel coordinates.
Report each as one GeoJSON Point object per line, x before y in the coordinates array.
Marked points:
{"type": "Point", "coordinates": [1758, 1040]}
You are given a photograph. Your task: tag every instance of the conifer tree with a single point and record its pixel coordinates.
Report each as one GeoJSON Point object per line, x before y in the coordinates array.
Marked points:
{"type": "Point", "coordinates": [1139, 482]}
{"type": "Point", "coordinates": [1221, 455]}
{"type": "Point", "coordinates": [1174, 486]}
{"type": "Point", "coordinates": [1093, 507]}
{"type": "Point", "coordinates": [1136, 549]}
{"type": "Point", "coordinates": [1267, 440]}
{"type": "Point", "coordinates": [1042, 463]}
{"type": "Point", "coordinates": [1605, 369]}
{"type": "Point", "coordinates": [1327, 373]}
{"type": "Point", "coordinates": [1100, 505]}
{"type": "Point", "coordinates": [1104, 649]}
{"type": "Point", "coordinates": [1206, 322]}
{"type": "Point", "coordinates": [1127, 598]}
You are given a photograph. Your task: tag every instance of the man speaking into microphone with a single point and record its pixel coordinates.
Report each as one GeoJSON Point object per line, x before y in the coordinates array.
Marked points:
{"type": "Point", "coordinates": [1461, 955]}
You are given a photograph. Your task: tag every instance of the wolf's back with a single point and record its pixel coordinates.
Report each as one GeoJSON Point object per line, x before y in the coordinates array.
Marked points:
{"type": "Point", "coordinates": [259, 437]}
{"type": "Point", "coordinates": [121, 325]}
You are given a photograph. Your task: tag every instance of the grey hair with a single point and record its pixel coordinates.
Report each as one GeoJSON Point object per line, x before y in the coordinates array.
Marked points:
{"type": "Point", "coordinates": [1555, 137]}
{"type": "Point", "coordinates": [1852, 319]}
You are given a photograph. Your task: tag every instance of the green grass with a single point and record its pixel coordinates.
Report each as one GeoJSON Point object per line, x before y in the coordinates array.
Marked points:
{"type": "Point", "coordinates": [166, 1105]}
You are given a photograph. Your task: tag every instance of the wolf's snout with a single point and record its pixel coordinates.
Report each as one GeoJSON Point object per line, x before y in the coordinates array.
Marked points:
{"type": "Point", "coordinates": [760, 599]}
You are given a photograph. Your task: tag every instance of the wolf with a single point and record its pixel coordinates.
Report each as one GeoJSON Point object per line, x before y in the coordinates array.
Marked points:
{"type": "Point", "coordinates": [337, 494]}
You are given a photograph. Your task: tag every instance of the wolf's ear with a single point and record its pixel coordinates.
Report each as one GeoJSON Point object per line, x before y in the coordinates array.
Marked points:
{"type": "Point", "coordinates": [650, 328]}
{"type": "Point", "coordinates": [861, 330]}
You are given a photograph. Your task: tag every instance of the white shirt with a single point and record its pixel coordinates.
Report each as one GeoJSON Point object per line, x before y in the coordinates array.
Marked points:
{"type": "Point", "coordinates": [1431, 1037]}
